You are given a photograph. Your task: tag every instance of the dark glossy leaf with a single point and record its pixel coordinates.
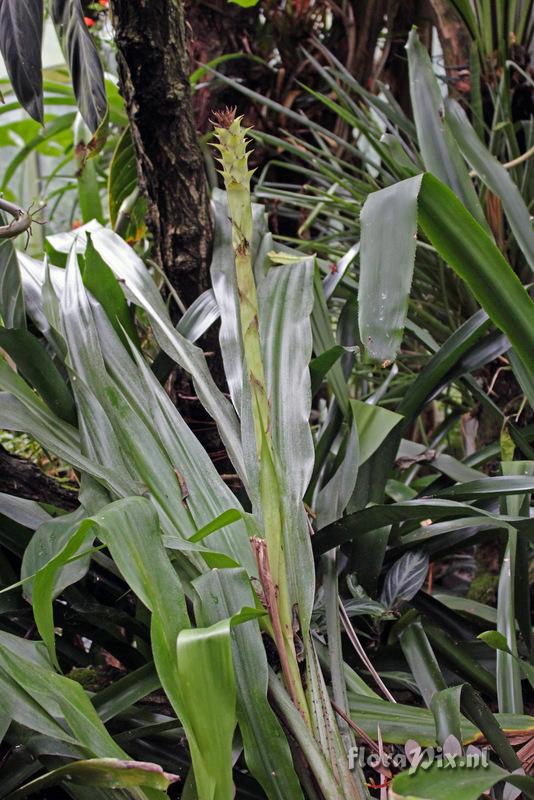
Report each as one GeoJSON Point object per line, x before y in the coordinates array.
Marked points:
{"type": "Point", "coordinates": [34, 363]}
{"type": "Point", "coordinates": [495, 176]}
{"type": "Point", "coordinates": [21, 34]}
{"type": "Point", "coordinates": [320, 365]}
{"type": "Point", "coordinates": [122, 183]}
{"type": "Point", "coordinates": [422, 661]}
{"type": "Point", "coordinates": [457, 657]}
{"type": "Point", "coordinates": [11, 297]}
{"type": "Point", "coordinates": [103, 285]}
{"type": "Point", "coordinates": [375, 517]}
{"type": "Point", "coordinates": [404, 578]}
{"type": "Point", "coordinates": [83, 60]}
{"type": "Point", "coordinates": [434, 374]}
{"type": "Point", "coordinates": [475, 258]}
{"type": "Point", "coordinates": [123, 693]}
{"type": "Point", "coordinates": [489, 487]}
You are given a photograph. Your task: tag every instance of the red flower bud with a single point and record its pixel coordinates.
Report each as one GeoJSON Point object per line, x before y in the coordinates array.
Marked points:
{"type": "Point", "coordinates": [88, 21]}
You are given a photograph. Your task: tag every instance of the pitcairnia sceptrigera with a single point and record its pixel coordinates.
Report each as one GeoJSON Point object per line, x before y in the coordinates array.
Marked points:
{"type": "Point", "coordinates": [233, 157]}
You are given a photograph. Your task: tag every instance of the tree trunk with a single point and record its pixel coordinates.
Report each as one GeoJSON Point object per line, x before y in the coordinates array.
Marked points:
{"type": "Point", "coordinates": [369, 22]}
{"type": "Point", "coordinates": [454, 39]}
{"type": "Point", "coordinates": [22, 478]}
{"type": "Point", "coordinates": [154, 74]}
{"type": "Point", "coordinates": [219, 27]}
{"type": "Point", "coordinates": [402, 15]}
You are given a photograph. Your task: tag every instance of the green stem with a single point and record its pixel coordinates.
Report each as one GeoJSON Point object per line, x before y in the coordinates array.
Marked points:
{"type": "Point", "coordinates": [232, 147]}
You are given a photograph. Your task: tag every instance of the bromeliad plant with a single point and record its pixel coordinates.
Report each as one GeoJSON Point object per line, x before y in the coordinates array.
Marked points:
{"type": "Point", "coordinates": [208, 576]}
{"type": "Point", "coordinates": [235, 609]}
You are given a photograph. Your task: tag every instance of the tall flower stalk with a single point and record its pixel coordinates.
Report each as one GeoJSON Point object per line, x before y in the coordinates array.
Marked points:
{"type": "Point", "coordinates": [232, 145]}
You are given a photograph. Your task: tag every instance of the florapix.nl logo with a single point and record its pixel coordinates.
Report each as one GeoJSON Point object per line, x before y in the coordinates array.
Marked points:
{"type": "Point", "coordinates": [415, 756]}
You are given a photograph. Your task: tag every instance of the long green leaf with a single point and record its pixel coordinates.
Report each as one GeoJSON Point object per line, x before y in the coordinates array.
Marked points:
{"type": "Point", "coordinates": [285, 298]}
{"type": "Point", "coordinates": [495, 176]}
{"type": "Point", "coordinates": [399, 722]}
{"type": "Point", "coordinates": [374, 517]}
{"type": "Point", "coordinates": [460, 241]}
{"type": "Point", "coordinates": [440, 152]}
{"type": "Point", "coordinates": [206, 686]}
{"type": "Point", "coordinates": [462, 782]}
{"type": "Point", "coordinates": [34, 363]}
{"type": "Point", "coordinates": [112, 772]}
{"type": "Point", "coordinates": [129, 268]}
{"type": "Point", "coordinates": [223, 593]}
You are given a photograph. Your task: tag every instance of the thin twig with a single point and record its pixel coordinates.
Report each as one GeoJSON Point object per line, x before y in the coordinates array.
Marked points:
{"type": "Point", "coordinates": [270, 598]}
{"type": "Point", "coordinates": [170, 287]}
{"type": "Point", "coordinates": [353, 637]}
{"type": "Point", "coordinates": [356, 728]}
{"type": "Point", "coordinates": [21, 223]}
{"type": "Point", "coordinates": [511, 164]}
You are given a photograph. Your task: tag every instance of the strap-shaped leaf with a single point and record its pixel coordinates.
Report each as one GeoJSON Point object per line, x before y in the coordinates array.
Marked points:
{"type": "Point", "coordinates": [114, 773]}
{"type": "Point", "coordinates": [34, 362]}
{"type": "Point", "coordinates": [223, 593]}
{"type": "Point", "coordinates": [495, 176]}
{"type": "Point", "coordinates": [21, 34]}
{"type": "Point", "coordinates": [374, 517]}
{"type": "Point", "coordinates": [463, 782]}
{"type": "Point", "coordinates": [387, 259]}
{"type": "Point", "coordinates": [129, 268]}
{"type": "Point", "coordinates": [441, 154]}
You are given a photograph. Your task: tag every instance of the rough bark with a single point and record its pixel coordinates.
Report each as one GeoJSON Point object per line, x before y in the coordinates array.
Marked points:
{"type": "Point", "coordinates": [369, 21]}
{"type": "Point", "coordinates": [217, 27]}
{"type": "Point", "coordinates": [154, 74]}
{"type": "Point", "coordinates": [21, 478]}
{"type": "Point", "coordinates": [402, 15]}
{"type": "Point", "coordinates": [454, 40]}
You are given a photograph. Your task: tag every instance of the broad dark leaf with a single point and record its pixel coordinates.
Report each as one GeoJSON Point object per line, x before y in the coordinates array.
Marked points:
{"type": "Point", "coordinates": [405, 578]}
{"type": "Point", "coordinates": [11, 297]}
{"type": "Point", "coordinates": [83, 60]}
{"type": "Point", "coordinates": [21, 34]}
{"type": "Point", "coordinates": [122, 183]}
{"type": "Point", "coordinates": [35, 364]}
{"type": "Point", "coordinates": [103, 285]}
